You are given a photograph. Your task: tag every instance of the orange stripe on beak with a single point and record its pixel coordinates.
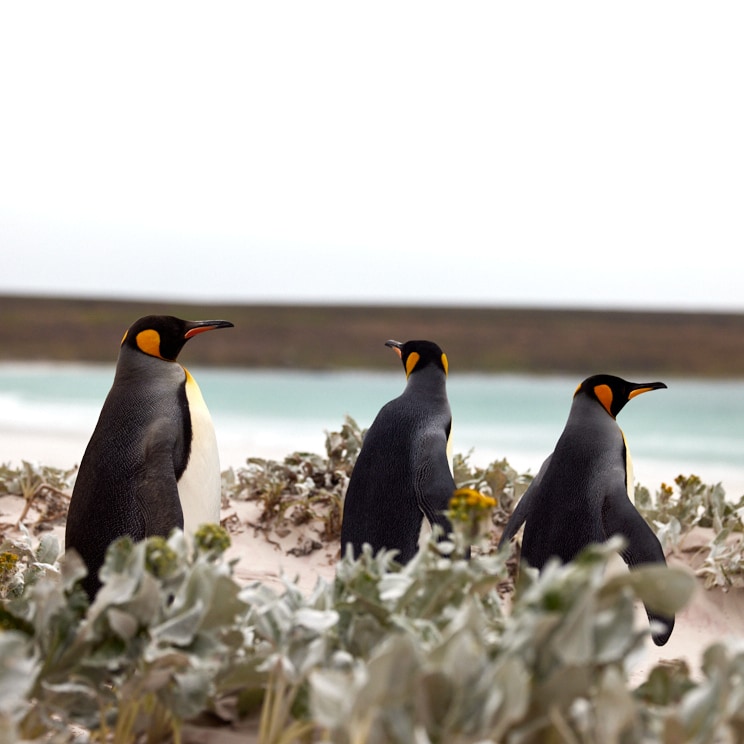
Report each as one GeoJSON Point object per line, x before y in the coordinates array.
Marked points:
{"type": "Point", "coordinates": [200, 329]}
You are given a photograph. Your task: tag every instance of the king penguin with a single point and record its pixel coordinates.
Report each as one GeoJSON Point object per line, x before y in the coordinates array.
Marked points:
{"type": "Point", "coordinates": [403, 471]}
{"type": "Point", "coordinates": [152, 463]}
{"type": "Point", "coordinates": [582, 493]}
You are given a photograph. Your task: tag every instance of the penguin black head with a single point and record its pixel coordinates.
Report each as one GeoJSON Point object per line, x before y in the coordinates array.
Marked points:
{"type": "Point", "coordinates": [614, 392]}
{"type": "Point", "coordinates": [416, 355]}
{"type": "Point", "coordinates": [163, 336]}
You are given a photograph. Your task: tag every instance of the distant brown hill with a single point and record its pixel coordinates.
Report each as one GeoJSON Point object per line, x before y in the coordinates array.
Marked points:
{"type": "Point", "coordinates": [640, 344]}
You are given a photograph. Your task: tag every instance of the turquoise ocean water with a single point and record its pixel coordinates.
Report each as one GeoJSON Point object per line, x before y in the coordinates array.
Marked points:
{"type": "Point", "coordinates": [47, 412]}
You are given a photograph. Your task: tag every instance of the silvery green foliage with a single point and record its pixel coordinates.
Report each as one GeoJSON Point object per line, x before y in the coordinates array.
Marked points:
{"type": "Point", "coordinates": [146, 654]}
{"type": "Point", "coordinates": [32, 478]}
{"type": "Point", "coordinates": [424, 653]}
{"type": "Point", "coordinates": [431, 652]}
{"type": "Point", "coordinates": [425, 660]}
{"type": "Point", "coordinates": [674, 514]}
{"type": "Point", "coordinates": [709, 710]}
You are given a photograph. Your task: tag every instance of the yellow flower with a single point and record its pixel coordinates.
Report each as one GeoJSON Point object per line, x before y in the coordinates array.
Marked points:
{"type": "Point", "coordinates": [472, 508]}
{"type": "Point", "coordinates": [469, 497]}
{"type": "Point", "coordinates": [8, 562]}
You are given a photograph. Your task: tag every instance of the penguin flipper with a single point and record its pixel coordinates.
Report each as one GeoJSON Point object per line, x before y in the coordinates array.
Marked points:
{"type": "Point", "coordinates": [157, 497]}
{"type": "Point", "coordinates": [433, 482]}
{"type": "Point", "coordinates": [518, 517]}
{"type": "Point", "coordinates": [620, 517]}
{"type": "Point", "coordinates": [523, 508]}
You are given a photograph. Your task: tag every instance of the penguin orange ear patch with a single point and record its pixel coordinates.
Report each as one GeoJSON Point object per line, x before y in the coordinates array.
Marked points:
{"type": "Point", "coordinates": [604, 396]}
{"type": "Point", "coordinates": [411, 362]}
{"type": "Point", "coordinates": [445, 364]}
{"type": "Point", "coordinates": [149, 342]}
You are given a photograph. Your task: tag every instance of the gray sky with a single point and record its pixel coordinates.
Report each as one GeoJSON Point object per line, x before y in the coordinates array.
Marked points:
{"type": "Point", "coordinates": [542, 153]}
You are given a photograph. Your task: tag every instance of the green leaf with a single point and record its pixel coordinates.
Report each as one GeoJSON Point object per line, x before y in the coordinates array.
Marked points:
{"type": "Point", "coordinates": [180, 629]}
{"type": "Point", "coordinates": [662, 589]}
{"type": "Point", "coordinates": [122, 623]}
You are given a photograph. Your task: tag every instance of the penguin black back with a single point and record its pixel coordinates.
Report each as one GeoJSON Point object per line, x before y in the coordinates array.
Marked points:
{"type": "Point", "coordinates": [127, 483]}
{"type": "Point", "coordinates": [402, 473]}
{"type": "Point", "coordinates": [582, 493]}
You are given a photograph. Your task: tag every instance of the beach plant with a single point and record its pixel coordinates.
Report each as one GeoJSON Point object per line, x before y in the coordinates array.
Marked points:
{"type": "Point", "coordinates": [497, 480]}
{"type": "Point", "coordinates": [37, 483]}
{"type": "Point", "coordinates": [428, 652]}
{"type": "Point", "coordinates": [692, 504]}
{"type": "Point", "coordinates": [442, 649]}
{"type": "Point", "coordinates": [303, 489]}
{"type": "Point", "coordinates": [676, 512]}
{"type": "Point", "coordinates": [138, 660]}
{"type": "Point", "coordinates": [469, 514]}
{"type": "Point", "coordinates": [423, 663]}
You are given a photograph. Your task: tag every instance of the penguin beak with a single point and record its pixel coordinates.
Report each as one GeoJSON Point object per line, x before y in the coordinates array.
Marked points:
{"type": "Point", "coordinates": [202, 326]}
{"type": "Point", "coordinates": [396, 347]}
{"type": "Point", "coordinates": [644, 387]}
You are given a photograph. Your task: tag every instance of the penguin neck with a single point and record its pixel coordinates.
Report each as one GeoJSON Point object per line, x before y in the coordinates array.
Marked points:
{"type": "Point", "coordinates": [591, 419]}
{"type": "Point", "coordinates": [587, 407]}
{"type": "Point", "coordinates": [134, 364]}
{"type": "Point", "coordinates": [429, 381]}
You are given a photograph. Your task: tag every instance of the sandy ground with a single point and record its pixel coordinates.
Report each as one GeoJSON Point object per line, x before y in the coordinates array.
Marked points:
{"type": "Point", "coordinates": [711, 615]}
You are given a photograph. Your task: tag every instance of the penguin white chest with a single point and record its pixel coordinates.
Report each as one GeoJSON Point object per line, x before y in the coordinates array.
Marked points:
{"type": "Point", "coordinates": [629, 474]}
{"type": "Point", "coordinates": [199, 487]}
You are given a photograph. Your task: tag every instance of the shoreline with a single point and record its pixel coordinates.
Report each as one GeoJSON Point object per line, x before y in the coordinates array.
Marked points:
{"type": "Point", "coordinates": [65, 450]}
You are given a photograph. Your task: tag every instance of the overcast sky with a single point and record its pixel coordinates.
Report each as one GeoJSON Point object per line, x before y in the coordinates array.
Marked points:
{"type": "Point", "coordinates": [534, 153]}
